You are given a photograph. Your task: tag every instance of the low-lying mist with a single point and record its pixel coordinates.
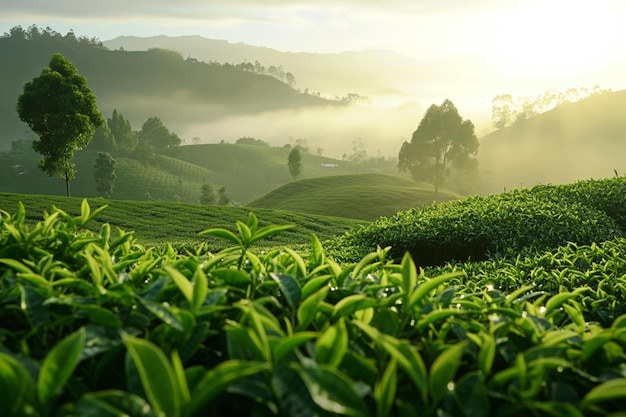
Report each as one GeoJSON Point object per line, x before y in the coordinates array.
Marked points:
{"type": "Point", "coordinates": [333, 129]}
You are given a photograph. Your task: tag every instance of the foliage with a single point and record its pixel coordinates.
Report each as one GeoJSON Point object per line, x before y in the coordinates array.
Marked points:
{"type": "Point", "coordinates": [207, 193]}
{"type": "Point", "coordinates": [294, 162]}
{"type": "Point", "coordinates": [103, 139]}
{"type": "Point", "coordinates": [96, 325]}
{"type": "Point", "coordinates": [476, 227]}
{"type": "Point", "coordinates": [104, 173]}
{"type": "Point", "coordinates": [442, 140]}
{"type": "Point", "coordinates": [154, 132]}
{"type": "Point", "coordinates": [222, 197]}
{"type": "Point", "coordinates": [61, 109]}
{"type": "Point", "coordinates": [122, 132]}
{"type": "Point", "coordinates": [506, 110]}
{"type": "Point", "coordinates": [246, 140]}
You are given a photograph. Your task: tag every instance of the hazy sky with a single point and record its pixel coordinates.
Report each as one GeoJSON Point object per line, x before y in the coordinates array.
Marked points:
{"type": "Point", "coordinates": [525, 44]}
{"type": "Point", "coordinates": [525, 35]}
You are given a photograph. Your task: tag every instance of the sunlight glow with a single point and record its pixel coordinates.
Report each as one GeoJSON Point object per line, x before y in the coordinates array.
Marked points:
{"type": "Point", "coordinates": [556, 36]}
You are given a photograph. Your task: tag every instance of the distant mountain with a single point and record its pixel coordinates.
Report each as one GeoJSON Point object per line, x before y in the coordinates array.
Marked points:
{"type": "Point", "coordinates": [574, 141]}
{"type": "Point", "coordinates": [374, 72]}
{"type": "Point", "coordinates": [143, 84]}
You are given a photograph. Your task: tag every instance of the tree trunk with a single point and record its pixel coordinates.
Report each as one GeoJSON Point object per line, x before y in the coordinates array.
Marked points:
{"type": "Point", "coordinates": [67, 183]}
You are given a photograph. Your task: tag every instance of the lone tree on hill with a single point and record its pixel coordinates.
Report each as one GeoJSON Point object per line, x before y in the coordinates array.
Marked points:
{"type": "Point", "coordinates": [442, 140]}
{"type": "Point", "coordinates": [104, 173]}
{"type": "Point", "coordinates": [294, 162]}
{"type": "Point", "coordinates": [61, 109]}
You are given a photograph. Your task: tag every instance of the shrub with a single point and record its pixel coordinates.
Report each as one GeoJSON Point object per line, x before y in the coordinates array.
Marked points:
{"type": "Point", "coordinates": [477, 227]}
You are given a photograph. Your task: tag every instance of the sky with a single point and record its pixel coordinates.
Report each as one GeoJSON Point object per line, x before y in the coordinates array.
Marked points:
{"type": "Point", "coordinates": [524, 46]}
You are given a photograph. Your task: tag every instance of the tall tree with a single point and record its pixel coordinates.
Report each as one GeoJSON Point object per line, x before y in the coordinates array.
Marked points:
{"type": "Point", "coordinates": [61, 109]}
{"type": "Point", "coordinates": [207, 193]}
{"type": "Point", "coordinates": [442, 140]}
{"type": "Point", "coordinates": [158, 136]}
{"type": "Point", "coordinates": [125, 138]}
{"type": "Point", "coordinates": [103, 139]}
{"type": "Point", "coordinates": [222, 197]}
{"type": "Point", "coordinates": [104, 173]}
{"type": "Point", "coordinates": [294, 162]}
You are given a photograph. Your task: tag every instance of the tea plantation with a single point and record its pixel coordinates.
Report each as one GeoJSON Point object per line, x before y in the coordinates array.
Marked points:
{"type": "Point", "coordinates": [534, 324]}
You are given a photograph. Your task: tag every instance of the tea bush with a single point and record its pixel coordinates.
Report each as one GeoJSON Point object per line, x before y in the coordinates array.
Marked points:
{"type": "Point", "coordinates": [96, 326]}
{"type": "Point", "coordinates": [476, 227]}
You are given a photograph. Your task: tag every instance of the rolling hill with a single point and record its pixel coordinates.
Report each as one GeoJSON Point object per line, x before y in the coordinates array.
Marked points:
{"type": "Point", "coordinates": [142, 84]}
{"type": "Point", "coordinates": [156, 223]}
{"type": "Point", "coordinates": [574, 141]}
{"type": "Point", "coordinates": [357, 196]}
{"type": "Point", "coordinates": [246, 171]}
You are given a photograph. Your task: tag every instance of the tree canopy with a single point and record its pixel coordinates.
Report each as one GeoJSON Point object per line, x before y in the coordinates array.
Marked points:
{"type": "Point", "coordinates": [158, 136]}
{"type": "Point", "coordinates": [104, 173]}
{"type": "Point", "coordinates": [61, 109]}
{"type": "Point", "coordinates": [294, 162]}
{"type": "Point", "coordinates": [442, 140]}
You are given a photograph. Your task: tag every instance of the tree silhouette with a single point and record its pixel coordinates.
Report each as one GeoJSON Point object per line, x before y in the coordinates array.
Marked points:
{"type": "Point", "coordinates": [294, 162]}
{"type": "Point", "coordinates": [442, 139]}
{"type": "Point", "coordinates": [61, 109]}
{"type": "Point", "coordinates": [104, 173]}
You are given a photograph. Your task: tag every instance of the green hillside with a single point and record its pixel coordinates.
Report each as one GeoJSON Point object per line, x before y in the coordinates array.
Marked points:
{"type": "Point", "coordinates": [358, 196]}
{"type": "Point", "coordinates": [156, 223]}
{"type": "Point", "coordinates": [141, 84]}
{"type": "Point", "coordinates": [574, 141]}
{"type": "Point", "coordinates": [246, 171]}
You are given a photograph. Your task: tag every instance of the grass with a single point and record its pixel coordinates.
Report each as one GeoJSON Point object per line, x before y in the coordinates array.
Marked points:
{"type": "Point", "coordinates": [358, 196]}
{"type": "Point", "coordinates": [156, 223]}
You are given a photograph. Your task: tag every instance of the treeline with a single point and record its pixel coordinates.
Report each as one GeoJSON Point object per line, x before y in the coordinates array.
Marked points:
{"type": "Point", "coordinates": [506, 110]}
{"type": "Point", "coordinates": [34, 33]}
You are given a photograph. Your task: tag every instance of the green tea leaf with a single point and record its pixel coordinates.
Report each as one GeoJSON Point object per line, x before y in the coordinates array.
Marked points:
{"type": "Point", "coordinates": [181, 281]}
{"type": "Point", "coordinates": [200, 290]}
{"type": "Point", "coordinates": [297, 260]}
{"type": "Point", "coordinates": [332, 391]}
{"type": "Point", "coordinates": [332, 344]}
{"type": "Point", "coordinates": [487, 353]}
{"type": "Point", "coordinates": [223, 233]}
{"type": "Point", "coordinates": [558, 299]}
{"type": "Point", "coordinates": [351, 303]}
{"type": "Point", "coordinates": [244, 232]}
{"type": "Point", "coordinates": [287, 344]}
{"type": "Point", "coordinates": [317, 252]}
{"type": "Point", "coordinates": [612, 390]}
{"type": "Point", "coordinates": [270, 230]}
{"type": "Point", "coordinates": [385, 390]}
{"type": "Point", "coordinates": [163, 312]}
{"type": "Point", "coordinates": [58, 366]}
{"type": "Point", "coordinates": [157, 376]}
{"type": "Point", "coordinates": [113, 403]}
{"type": "Point", "coordinates": [444, 369]}
{"type": "Point", "coordinates": [16, 386]}
{"type": "Point", "coordinates": [427, 286]}
{"type": "Point", "coordinates": [409, 276]}
{"type": "Point", "coordinates": [309, 307]}
{"type": "Point", "coordinates": [290, 288]}
{"type": "Point", "coordinates": [218, 379]}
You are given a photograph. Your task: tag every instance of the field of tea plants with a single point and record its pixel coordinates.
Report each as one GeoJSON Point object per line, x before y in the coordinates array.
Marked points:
{"type": "Point", "coordinates": [545, 216]}
{"type": "Point", "coordinates": [95, 324]}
